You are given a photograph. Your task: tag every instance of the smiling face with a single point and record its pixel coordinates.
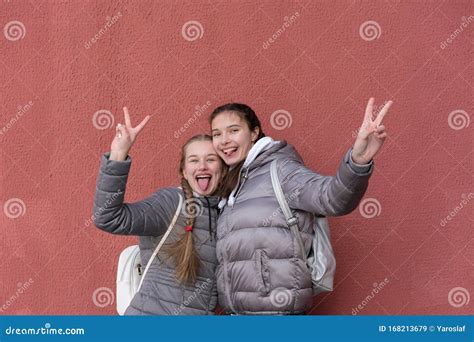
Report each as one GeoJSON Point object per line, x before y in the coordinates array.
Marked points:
{"type": "Point", "coordinates": [232, 137]}
{"type": "Point", "coordinates": [202, 167]}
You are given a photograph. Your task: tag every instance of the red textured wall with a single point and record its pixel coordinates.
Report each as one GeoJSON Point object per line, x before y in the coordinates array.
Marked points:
{"type": "Point", "coordinates": [61, 96]}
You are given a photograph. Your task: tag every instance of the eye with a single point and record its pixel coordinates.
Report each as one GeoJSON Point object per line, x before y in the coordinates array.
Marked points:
{"type": "Point", "coordinates": [216, 135]}
{"type": "Point", "coordinates": [193, 160]}
{"type": "Point", "coordinates": [234, 130]}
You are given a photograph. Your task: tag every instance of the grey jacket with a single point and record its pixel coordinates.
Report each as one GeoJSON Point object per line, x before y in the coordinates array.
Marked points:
{"type": "Point", "coordinates": [160, 294]}
{"type": "Point", "coordinates": [260, 268]}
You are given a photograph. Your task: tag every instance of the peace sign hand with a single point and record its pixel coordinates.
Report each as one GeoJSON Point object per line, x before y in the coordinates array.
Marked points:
{"type": "Point", "coordinates": [371, 134]}
{"type": "Point", "coordinates": [125, 136]}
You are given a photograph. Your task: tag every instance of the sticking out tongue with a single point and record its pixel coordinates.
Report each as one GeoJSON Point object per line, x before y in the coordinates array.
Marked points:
{"type": "Point", "coordinates": [203, 183]}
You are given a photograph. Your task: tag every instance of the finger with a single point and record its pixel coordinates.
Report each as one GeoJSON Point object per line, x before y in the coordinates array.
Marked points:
{"type": "Point", "coordinates": [382, 113]}
{"type": "Point", "coordinates": [142, 124]}
{"type": "Point", "coordinates": [127, 117]}
{"type": "Point", "coordinates": [369, 109]}
{"type": "Point", "coordinates": [381, 135]}
{"type": "Point", "coordinates": [121, 130]}
{"type": "Point", "coordinates": [379, 129]}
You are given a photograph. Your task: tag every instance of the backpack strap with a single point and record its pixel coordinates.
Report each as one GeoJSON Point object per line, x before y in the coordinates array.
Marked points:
{"type": "Point", "coordinates": [163, 239]}
{"type": "Point", "coordinates": [291, 219]}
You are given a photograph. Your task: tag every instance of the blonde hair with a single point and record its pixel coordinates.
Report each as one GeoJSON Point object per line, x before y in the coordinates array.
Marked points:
{"type": "Point", "coordinates": [183, 250]}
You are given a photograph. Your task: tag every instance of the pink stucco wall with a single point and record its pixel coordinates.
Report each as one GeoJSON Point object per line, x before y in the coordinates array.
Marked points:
{"type": "Point", "coordinates": [68, 67]}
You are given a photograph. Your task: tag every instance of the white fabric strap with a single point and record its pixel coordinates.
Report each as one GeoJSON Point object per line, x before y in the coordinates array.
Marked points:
{"type": "Point", "coordinates": [291, 219]}
{"type": "Point", "coordinates": [163, 239]}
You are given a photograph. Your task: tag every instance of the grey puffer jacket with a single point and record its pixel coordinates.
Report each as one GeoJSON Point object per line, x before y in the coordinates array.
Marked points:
{"type": "Point", "coordinates": [161, 293]}
{"type": "Point", "coordinates": [260, 267]}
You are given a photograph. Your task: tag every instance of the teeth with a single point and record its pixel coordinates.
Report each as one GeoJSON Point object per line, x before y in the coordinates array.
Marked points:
{"type": "Point", "coordinates": [203, 177]}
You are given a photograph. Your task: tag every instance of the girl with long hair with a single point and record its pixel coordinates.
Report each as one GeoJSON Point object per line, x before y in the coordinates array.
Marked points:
{"type": "Point", "coordinates": [181, 281]}
{"type": "Point", "coordinates": [261, 269]}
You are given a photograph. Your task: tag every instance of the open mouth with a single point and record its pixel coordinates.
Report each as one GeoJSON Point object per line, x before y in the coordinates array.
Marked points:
{"type": "Point", "coordinates": [229, 152]}
{"type": "Point", "coordinates": [203, 181]}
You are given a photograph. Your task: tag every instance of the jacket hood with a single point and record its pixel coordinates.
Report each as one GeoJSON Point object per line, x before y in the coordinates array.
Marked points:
{"type": "Point", "coordinates": [281, 150]}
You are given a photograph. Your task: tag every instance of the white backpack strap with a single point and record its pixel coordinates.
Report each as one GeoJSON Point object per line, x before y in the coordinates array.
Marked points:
{"type": "Point", "coordinates": [291, 219]}
{"type": "Point", "coordinates": [163, 239]}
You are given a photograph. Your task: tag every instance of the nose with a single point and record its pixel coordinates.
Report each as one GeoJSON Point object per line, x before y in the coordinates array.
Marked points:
{"type": "Point", "coordinates": [225, 138]}
{"type": "Point", "coordinates": [202, 165]}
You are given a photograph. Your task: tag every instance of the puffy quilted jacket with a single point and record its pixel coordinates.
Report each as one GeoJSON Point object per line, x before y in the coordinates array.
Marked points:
{"type": "Point", "coordinates": [260, 267]}
{"type": "Point", "coordinates": [161, 293]}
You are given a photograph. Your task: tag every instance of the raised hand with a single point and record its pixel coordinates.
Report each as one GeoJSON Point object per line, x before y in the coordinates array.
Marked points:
{"type": "Point", "coordinates": [372, 134]}
{"type": "Point", "coordinates": [125, 136]}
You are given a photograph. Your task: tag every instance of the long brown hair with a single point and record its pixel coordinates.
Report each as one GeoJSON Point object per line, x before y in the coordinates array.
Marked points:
{"type": "Point", "coordinates": [183, 250]}
{"type": "Point", "coordinates": [231, 178]}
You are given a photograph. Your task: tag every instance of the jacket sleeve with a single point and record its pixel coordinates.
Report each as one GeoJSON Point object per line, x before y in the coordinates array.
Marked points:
{"type": "Point", "coordinates": [149, 217]}
{"type": "Point", "coordinates": [325, 195]}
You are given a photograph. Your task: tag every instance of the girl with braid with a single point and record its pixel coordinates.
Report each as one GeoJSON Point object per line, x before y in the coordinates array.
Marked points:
{"type": "Point", "coordinates": [181, 281]}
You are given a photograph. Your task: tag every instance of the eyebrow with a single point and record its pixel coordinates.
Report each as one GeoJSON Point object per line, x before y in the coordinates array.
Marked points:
{"type": "Point", "coordinates": [235, 125]}
{"type": "Point", "coordinates": [209, 155]}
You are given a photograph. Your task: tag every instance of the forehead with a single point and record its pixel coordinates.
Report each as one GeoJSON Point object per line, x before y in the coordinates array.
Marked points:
{"type": "Point", "coordinates": [225, 119]}
{"type": "Point", "coordinates": [200, 148]}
